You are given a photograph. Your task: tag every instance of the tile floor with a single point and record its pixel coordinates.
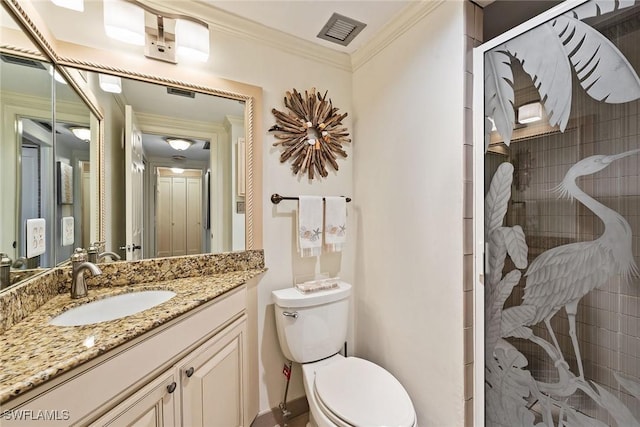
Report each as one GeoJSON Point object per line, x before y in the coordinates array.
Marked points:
{"type": "Point", "coordinates": [299, 421]}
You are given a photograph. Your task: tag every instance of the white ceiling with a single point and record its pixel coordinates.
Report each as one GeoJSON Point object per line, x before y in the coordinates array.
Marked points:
{"type": "Point", "coordinates": [305, 18]}
{"type": "Point", "coordinates": [300, 18]}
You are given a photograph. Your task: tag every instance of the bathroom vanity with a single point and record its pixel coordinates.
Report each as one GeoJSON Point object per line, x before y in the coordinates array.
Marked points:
{"type": "Point", "coordinates": [155, 367]}
{"type": "Point", "coordinates": [188, 361]}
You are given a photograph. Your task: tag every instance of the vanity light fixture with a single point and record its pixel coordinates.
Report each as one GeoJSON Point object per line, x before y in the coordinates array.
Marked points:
{"type": "Point", "coordinates": [124, 21]}
{"type": "Point", "coordinates": [77, 5]}
{"type": "Point", "coordinates": [179, 144]}
{"type": "Point", "coordinates": [530, 113]}
{"type": "Point", "coordinates": [164, 35]}
{"type": "Point", "coordinates": [56, 75]}
{"type": "Point", "coordinates": [109, 83]}
{"type": "Point", "coordinates": [192, 40]}
{"type": "Point", "coordinates": [81, 132]}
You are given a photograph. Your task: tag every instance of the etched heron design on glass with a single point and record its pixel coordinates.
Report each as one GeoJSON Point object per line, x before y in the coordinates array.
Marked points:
{"type": "Point", "coordinates": [561, 276]}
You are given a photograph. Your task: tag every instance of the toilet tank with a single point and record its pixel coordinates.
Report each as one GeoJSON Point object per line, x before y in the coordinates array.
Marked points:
{"type": "Point", "coordinates": [311, 326]}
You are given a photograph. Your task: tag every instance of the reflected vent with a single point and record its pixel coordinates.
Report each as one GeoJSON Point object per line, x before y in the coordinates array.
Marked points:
{"type": "Point", "coordinates": [46, 126]}
{"type": "Point", "coordinates": [25, 62]}
{"type": "Point", "coordinates": [340, 29]}
{"type": "Point", "coordinates": [181, 92]}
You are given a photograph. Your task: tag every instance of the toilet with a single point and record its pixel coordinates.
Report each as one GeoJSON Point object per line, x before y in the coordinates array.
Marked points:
{"type": "Point", "coordinates": [342, 391]}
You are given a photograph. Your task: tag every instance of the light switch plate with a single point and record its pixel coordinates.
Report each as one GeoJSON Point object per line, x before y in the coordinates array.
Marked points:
{"type": "Point", "coordinates": [67, 230]}
{"type": "Point", "coordinates": [36, 237]}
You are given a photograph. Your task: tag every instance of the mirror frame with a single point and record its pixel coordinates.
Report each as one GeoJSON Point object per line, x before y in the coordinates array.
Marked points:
{"type": "Point", "coordinates": [63, 54]}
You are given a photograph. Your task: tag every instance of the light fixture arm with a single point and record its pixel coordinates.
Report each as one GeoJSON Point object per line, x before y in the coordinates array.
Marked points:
{"type": "Point", "coordinates": [161, 40]}
{"type": "Point", "coordinates": [170, 15]}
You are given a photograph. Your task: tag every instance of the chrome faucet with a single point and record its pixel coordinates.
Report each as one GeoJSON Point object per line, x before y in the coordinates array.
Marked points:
{"type": "Point", "coordinates": [94, 255]}
{"type": "Point", "coordinates": [5, 271]}
{"type": "Point", "coordinates": [79, 264]}
{"type": "Point", "coordinates": [20, 262]}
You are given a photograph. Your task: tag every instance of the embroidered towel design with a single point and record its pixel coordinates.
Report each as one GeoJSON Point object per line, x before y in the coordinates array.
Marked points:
{"type": "Point", "coordinates": [335, 223]}
{"type": "Point", "coordinates": [309, 226]}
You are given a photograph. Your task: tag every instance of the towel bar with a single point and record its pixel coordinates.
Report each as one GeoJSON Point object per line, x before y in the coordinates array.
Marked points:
{"type": "Point", "coordinates": [276, 198]}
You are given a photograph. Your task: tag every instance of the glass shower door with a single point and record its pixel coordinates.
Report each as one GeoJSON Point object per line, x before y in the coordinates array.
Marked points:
{"type": "Point", "coordinates": [562, 221]}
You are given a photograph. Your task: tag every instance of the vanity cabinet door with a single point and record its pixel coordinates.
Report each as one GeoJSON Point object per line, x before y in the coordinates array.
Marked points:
{"type": "Point", "coordinates": [154, 405]}
{"type": "Point", "coordinates": [213, 380]}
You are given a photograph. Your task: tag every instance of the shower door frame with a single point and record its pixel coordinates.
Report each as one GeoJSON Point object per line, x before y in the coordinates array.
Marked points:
{"type": "Point", "coordinates": [478, 196]}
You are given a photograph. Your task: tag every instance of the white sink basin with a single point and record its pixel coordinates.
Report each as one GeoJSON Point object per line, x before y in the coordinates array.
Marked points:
{"type": "Point", "coordinates": [111, 308]}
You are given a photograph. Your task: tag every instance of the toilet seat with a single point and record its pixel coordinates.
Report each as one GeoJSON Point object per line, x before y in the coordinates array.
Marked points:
{"type": "Point", "coordinates": [356, 392]}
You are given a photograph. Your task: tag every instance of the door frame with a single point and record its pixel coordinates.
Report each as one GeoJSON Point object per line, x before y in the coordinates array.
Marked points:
{"type": "Point", "coordinates": [478, 196]}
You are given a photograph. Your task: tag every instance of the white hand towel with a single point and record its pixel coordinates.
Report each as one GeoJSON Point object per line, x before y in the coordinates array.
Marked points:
{"type": "Point", "coordinates": [335, 223]}
{"type": "Point", "coordinates": [309, 226]}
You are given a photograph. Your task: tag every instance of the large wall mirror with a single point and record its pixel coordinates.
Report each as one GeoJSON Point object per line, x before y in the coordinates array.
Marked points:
{"type": "Point", "coordinates": [127, 181]}
{"type": "Point", "coordinates": [45, 146]}
{"type": "Point", "coordinates": [180, 155]}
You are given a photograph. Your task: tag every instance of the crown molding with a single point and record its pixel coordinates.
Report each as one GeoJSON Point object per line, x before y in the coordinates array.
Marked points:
{"type": "Point", "coordinates": [27, 101]}
{"type": "Point", "coordinates": [404, 21]}
{"type": "Point", "coordinates": [178, 127]}
{"type": "Point", "coordinates": [228, 23]}
{"type": "Point", "coordinates": [233, 121]}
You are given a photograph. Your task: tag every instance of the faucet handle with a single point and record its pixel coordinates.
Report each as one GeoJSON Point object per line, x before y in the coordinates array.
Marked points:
{"type": "Point", "coordinates": [5, 260]}
{"type": "Point", "coordinates": [79, 255]}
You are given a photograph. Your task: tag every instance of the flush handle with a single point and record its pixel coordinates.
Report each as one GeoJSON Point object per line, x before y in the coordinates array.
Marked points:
{"type": "Point", "coordinates": [293, 314]}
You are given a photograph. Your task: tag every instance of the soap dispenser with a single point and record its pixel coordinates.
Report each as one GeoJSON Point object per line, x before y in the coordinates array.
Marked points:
{"type": "Point", "coordinates": [92, 253]}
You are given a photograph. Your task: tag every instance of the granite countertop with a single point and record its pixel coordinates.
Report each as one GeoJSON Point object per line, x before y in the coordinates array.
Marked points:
{"type": "Point", "coordinates": [34, 352]}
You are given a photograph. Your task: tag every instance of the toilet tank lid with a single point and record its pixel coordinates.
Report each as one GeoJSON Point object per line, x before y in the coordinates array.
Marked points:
{"type": "Point", "coordinates": [292, 297]}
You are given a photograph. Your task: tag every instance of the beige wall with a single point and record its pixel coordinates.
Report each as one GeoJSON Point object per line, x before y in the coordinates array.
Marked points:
{"type": "Point", "coordinates": [277, 71]}
{"type": "Point", "coordinates": [405, 226]}
{"type": "Point", "coordinates": [408, 206]}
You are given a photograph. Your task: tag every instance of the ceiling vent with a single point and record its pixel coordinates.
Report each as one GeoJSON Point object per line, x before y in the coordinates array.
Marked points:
{"type": "Point", "coordinates": [340, 29]}
{"type": "Point", "coordinates": [22, 61]}
{"type": "Point", "coordinates": [181, 92]}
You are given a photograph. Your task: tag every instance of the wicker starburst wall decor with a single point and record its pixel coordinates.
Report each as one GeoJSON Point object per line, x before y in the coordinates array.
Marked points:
{"type": "Point", "coordinates": [311, 133]}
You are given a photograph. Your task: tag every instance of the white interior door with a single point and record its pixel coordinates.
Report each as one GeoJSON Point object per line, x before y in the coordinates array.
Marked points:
{"type": "Point", "coordinates": [179, 215]}
{"type": "Point", "coordinates": [194, 216]}
{"type": "Point", "coordinates": [134, 169]}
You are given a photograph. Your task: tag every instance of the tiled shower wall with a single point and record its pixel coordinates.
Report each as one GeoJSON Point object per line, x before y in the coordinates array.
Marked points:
{"type": "Point", "coordinates": [473, 38]}
{"type": "Point", "coordinates": [608, 322]}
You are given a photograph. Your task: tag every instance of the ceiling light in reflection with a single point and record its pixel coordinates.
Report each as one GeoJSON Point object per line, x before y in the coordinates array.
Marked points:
{"type": "Point", "coordinates": [177, 170]}
{"type": "Point", "coordinates": [111, 84]}
{"type": "Point", "coordinates": [82, 133]}
{"type": "Point", "coordinates": [179, 144]}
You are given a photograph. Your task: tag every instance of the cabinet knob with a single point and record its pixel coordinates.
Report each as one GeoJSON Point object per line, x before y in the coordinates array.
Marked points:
{"type": "Point", "coordinates": [172, 387]}
{"type": "Point", "coordinates": [189, 372]}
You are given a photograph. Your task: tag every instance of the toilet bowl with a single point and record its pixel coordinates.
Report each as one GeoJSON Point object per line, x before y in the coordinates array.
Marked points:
{"type": "Point", "coordinates": [349, 391]}
{"type": "Point", "coordinates": [341, 391]}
